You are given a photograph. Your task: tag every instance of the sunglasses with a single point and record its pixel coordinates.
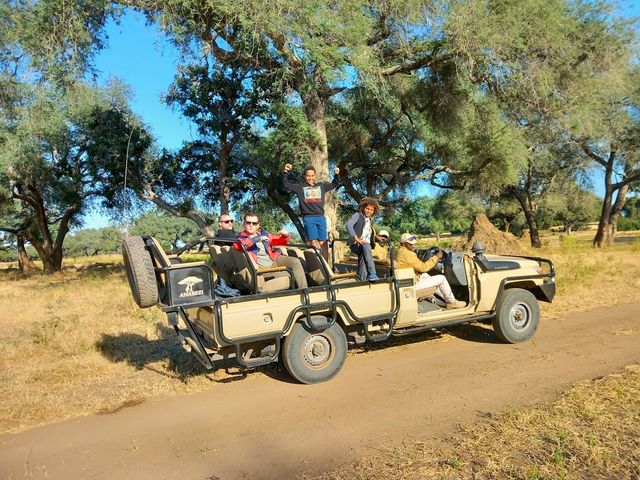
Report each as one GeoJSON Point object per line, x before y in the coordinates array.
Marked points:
{"type": "Point", "coordinates": [226, 221]}
{"type": "Point", "coordinates": [251, 223]}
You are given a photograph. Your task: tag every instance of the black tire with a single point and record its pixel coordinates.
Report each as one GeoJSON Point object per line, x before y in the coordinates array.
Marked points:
{"type": "Point", "coordinates": [517, 316]}
{"type": "Point", "coordinates": [140, 272]}
{"type": "Point", "coordinates": [314, 357]}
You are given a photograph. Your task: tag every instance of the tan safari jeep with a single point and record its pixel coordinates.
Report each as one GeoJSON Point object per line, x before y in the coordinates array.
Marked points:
{"type": "Point", "coordinates": [311, 329]}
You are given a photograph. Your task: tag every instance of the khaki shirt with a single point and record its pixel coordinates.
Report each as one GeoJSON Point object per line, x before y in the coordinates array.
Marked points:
{"type": "Point", "coordinates": [381, 252]}
{"type": "Point", "coordinates": [405, 258]}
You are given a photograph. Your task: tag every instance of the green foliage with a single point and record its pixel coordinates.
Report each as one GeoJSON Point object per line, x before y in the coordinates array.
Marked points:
{"type": "Point", "coordinates": [570, 206]}
{"type": "Point", "coordinates": [171, 231]}
{"type": "Point", "coordinates": [57, 147]}
{"type": "Point", "coordinates": [93, 242]}
{"type": "Point", "coordinates": [448, 212]}
{"type": "Point", "coordinates": [57, 39]}
{"type": "Point", "coordinates": [626, 224]}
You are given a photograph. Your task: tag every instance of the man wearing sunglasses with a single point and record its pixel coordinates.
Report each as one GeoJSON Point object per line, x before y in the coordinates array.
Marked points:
{"type": "Point", "coordinates": [225, 230]}
{"type": "Point", "coordinates": [405, 257]}
{"type": "Point", "coordinates": [258, 243]}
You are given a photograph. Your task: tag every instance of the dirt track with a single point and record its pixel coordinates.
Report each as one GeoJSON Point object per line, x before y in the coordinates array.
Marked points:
{"type": "Point", "coordinates": [268, 428]}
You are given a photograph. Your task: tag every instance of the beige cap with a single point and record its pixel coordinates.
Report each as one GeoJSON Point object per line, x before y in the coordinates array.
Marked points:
{"type": "Point", "coordinates": [383, 233]}
{"type": "Point", "coordinates": [408, 238]}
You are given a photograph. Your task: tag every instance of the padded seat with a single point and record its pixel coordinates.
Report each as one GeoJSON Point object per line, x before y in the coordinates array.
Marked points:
{"type": "Point", "coordinates": [162, 260]}
{"type": "Point", "coordinates": [269, 279]}
{"type": "Point", "coordinates": [222, 262]}
{"type": "Point", "coordinates": [317, 273]}
{"type": "Point", "coordinates": [425, 292]}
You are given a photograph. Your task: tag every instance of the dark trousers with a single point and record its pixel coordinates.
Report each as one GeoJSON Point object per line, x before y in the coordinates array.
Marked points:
{"type": "Point", "coordinates": [366, 266]}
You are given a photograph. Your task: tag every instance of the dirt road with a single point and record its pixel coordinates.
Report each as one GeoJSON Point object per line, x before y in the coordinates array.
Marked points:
{"type": "Point", "coordinates": [269, 428]}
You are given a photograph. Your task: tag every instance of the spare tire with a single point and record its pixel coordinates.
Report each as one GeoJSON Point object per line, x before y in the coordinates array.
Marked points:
{"type": "Point", "coordinates": [140, 272]}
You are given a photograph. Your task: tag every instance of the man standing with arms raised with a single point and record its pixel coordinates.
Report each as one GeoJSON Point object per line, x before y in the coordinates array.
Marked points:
{"type": "Point", "coordinates": [311, 200]}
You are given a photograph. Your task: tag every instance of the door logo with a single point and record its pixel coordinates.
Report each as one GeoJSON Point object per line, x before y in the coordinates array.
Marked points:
{"type": "Point", "coordinates": [188, 283]}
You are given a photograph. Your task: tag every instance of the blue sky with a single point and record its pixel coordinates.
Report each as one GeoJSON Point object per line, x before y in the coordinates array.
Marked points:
{"type": "Point", "coordinates": [139, 54]}
{"type": "Point", "coordinates": [147, 62]}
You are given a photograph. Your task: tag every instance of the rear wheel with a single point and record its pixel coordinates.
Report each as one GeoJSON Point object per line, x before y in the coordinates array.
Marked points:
{"type": "Point", "coordinates": [140, 272]}
{"type": "Point", "coordinates": [517, 317]}
{"type": "Point", "coordinates": [314, 357]}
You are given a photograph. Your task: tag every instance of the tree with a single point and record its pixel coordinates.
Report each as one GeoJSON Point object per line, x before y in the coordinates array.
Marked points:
{"type": "Point", "coordinates": [53, 157]}
{"type": "Point", "coordinates": [553, 75]}
{"type": "Point", "coordinates": [222, 101]}
{"type": "Point", "coordinates": [93, 241]}
{"type": "Point", "coordinates": [168, 229]}
{"type": "Point", "coordinates": [570, 205]}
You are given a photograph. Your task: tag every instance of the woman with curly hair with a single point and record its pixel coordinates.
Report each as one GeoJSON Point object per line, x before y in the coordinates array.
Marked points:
{"type": "Point", "coordinates": [362, 237]}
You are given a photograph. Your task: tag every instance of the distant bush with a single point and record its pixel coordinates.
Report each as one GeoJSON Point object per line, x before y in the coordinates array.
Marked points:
{"type": "Point", "coordinates": [8, 255]}
{"type": "Point", "coordinates": [625, 224]}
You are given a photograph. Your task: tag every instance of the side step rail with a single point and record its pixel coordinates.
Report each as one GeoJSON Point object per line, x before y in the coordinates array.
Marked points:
{"type": "Point", "coordinates": [378, 336]}
{"type": "Point", "coordinates": [245, 360]}
{"type": "Point", "coordinates": [193, 340]}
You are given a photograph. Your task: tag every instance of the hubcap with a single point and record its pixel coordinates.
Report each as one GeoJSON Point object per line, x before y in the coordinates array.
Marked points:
{"type": "Point", "coordinates": [317, 351]}
{"type": "Point", "coordinates": [519, 316]}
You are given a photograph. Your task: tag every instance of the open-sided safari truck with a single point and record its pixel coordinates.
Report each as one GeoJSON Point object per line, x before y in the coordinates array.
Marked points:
{"type": "Point", "coordinates": [311, 328]}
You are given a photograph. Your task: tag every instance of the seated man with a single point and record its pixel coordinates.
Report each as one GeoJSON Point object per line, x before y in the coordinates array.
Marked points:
{"type": "Point", "coordinates": [258, 243]}
{"type": "Point", "coordinates": [225, 230]}
{"type": "Point", "coordinates": [406, 257]}
{"type": "Point", "coordinates": [381, 248]}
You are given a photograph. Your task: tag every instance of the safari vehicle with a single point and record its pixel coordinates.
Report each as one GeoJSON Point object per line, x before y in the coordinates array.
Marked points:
{"type": "Point", "coordinates": [310, 329]}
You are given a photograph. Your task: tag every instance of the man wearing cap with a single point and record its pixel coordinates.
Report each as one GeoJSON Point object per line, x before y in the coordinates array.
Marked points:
{"type": "Point", "coordinates": [381, 248]}
{"type": "Point", "coordinates": [405, 257]}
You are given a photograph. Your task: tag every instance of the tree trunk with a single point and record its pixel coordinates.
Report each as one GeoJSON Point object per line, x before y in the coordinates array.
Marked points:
{"type": "Point", "coordinates": [530, 216]}
{"type": "Point", "coordinates": [25, 264]}
{"type": "Point", "coordinates": [273, 195]}
{"type": "Point", "coordinates": [223, 184]}
{"type": "Point", "coordinates": [612, 226]}
{"type": "Point", "coordinates": [507, 226]}
{"type": "Point", "coordinates": [600, 240]}
{"type": "Point", "coordinates": [318, 154]}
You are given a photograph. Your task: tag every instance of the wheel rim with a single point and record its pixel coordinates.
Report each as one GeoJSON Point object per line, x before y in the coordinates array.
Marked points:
{"type": "Point", "coordinates": [317, 351]}
{"type": "Point", "coordinates": [519, 316]}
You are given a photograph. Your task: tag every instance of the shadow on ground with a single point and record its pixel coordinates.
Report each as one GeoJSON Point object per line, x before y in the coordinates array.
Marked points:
{"type": "Point", "coordinates": [471, 332]}
{"type": "Point", "coordinates": [143, 353]}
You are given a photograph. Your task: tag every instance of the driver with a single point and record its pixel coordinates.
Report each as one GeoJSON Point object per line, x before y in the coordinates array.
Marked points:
{"type": "Point", "coordinates": [405, 257]}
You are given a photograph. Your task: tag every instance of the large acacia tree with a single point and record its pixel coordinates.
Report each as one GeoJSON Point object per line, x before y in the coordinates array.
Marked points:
{"type": "Point", "coordinates": [53, 157]}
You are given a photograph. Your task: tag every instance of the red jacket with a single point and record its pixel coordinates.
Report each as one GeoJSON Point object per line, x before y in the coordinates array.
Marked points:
{"type": "Point", "coordinates": [250, 243]}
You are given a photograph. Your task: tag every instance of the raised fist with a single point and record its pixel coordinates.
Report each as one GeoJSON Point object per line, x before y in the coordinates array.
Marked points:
{"type": "Point", "coordinates": [287, 167]}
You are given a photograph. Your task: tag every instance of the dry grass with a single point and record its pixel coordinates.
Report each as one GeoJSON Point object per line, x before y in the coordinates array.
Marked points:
{"type": "Point", "coordinates": [590, 432]}
{"type": "Point", "coordinates": [75, 343]}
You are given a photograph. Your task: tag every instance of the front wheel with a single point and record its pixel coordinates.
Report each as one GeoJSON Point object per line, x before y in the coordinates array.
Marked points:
{"type": "Point", "coordinates": [314, 357]}
{"type": "Point", "coordinates": [517, 317]}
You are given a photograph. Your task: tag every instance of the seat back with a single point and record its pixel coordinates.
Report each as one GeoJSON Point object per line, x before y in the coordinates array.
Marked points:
{"type": "Point", "coordinates": [425, 292]}
{"type": "Point", "coordinates": [222, 261]}
{"type": "Point", "coordinates": [241, 277]}
{"type": "Point", "coordinates": [159, 256]}
{"type": "Point", "coordinates": [316, 273]}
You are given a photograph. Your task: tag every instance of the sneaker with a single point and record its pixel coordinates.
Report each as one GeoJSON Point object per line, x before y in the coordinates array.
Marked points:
{"type": "Point", "coordinates": [456, 304]}
{"type": "Point", "coordinates": [372, 277]}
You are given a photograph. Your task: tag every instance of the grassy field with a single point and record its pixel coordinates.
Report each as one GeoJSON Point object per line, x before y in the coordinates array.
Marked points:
{"type": "Point", "coordinates": [591, 432]}
{"type": "Point", "coordinates": [75, 343]}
